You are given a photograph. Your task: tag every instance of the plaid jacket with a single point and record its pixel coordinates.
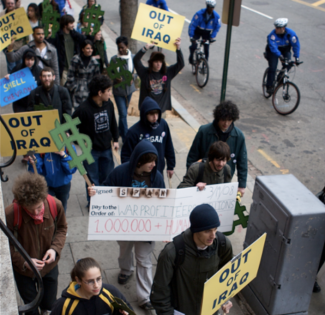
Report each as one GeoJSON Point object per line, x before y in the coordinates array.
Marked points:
{"type": "Point", "coordinates": [78, 78]}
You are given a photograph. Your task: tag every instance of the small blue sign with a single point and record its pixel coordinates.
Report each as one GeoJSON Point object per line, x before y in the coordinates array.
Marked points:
{"type": "Point", "coordinates": [18, 86]}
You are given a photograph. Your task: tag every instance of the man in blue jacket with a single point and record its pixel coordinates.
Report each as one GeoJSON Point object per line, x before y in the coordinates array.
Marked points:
{"type": "Point", "coordinates": [154, 128]}
{"type": "Point", "coordinates": [223, 129]}
{"type": "Point", "coordinates": [161, 4]}
{"type": "Point", "coordinates": [206, 24]}
{"type": "Point", "coordinates": [279, 43]}
{"type": "Point", "coordinates": [140, 171]}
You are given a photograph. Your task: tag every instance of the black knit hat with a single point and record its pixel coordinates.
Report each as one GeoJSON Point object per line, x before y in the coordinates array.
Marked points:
{"type": "Point", "coordinates": [204, 217]}
{"type": "Point", "coordinates": [157, 56]}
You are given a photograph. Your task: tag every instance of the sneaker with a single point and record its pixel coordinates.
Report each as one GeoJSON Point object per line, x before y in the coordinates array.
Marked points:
{"type": "Point", "coordinates": [269, 90]}
{"type": "Point", "coordinates": [316, 288]}
{"type": "Point", "coordinates": [123, 279]}
{"type": "Point", "coordinates": [147, 306]}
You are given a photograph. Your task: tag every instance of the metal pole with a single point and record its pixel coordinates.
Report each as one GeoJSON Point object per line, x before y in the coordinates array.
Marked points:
{"type": "Point", "coordinates": [227, 50]}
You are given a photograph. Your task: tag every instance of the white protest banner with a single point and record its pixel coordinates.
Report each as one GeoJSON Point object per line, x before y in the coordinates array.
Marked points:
{"type": "Point", "coordinates": [140, 214]}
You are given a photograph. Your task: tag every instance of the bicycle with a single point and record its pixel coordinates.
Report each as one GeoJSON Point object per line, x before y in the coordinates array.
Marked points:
{"type": "Point", "coordinates": [288, 101]}
{"type": "Point", "coordinates": [200, 66]}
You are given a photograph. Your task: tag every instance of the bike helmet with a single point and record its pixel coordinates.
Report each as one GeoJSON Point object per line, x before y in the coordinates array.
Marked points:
{"type": "Point", "coordinates": [281, 22]}
{"type": "Point", "coordinates": [211, 3]}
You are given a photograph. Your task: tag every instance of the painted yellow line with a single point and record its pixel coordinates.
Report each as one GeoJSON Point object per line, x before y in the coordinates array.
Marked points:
{"type": "Point", "coordinates": [195, 88]}
{"type": "Point", "coordinates": [309, 5]}
{"type": "Point", "coordinates": [316, 4]}
{"type": "Point", "coordinates": [268, 158]}
{"type": "Point", "coordinates": [284, 171]}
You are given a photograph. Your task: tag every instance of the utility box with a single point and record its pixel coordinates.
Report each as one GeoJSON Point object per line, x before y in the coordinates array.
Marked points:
{"type": "Point", "coordinates": [294, 220]}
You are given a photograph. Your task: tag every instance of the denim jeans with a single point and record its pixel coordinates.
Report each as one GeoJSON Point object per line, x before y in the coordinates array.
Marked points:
{"type": "Point", "coordinates": [273, 64]}
{"type": "Point", "coordinates": [100, 169]}
{"type": "Point", "coordinates": [27, 289]}
{"type": "Point", "coordinates": [122, 104]}
{"type": "Point", "coordinates": [62, 193]}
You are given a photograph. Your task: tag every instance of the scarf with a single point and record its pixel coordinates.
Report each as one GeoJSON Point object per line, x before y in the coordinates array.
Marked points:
{"type": "Point", "coordinates": [128, 58]}
{"type": "Point", "coordinates": [38, 218]}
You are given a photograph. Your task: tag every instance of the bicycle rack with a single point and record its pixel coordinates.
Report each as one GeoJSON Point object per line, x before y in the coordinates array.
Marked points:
{"type": "Point", "coordinates": [32, 305]}
{"type": "Point", "coordinates": [13, 158]}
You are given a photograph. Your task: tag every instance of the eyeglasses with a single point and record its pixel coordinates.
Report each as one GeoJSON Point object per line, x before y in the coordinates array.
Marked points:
{"type": "Point", "coordinates": [92, 282]}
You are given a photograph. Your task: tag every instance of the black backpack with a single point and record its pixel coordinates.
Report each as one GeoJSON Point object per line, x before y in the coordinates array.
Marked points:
{"type": "Point", "coordinates": [201, 171]}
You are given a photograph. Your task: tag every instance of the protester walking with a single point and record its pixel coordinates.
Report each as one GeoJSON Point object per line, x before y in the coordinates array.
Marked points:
{"type": "Point", "coordinates": [99, 51]}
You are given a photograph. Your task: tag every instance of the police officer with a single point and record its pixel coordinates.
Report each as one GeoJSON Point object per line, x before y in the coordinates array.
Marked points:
{"type": "Point", "coordinates": [279, 43]}
{"type": "Point", "coordinates": [206, 24]}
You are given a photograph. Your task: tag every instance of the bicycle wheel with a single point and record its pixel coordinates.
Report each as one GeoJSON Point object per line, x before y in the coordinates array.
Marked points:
{"type": "Point", "coordinates": [202, 72]}
{"type": "Point", "coordinates": [286, 98]}
{"type": "Point", "coordinates": [265, 94]}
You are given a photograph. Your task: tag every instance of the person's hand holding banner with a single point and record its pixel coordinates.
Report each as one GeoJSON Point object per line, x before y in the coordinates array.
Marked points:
{"type": "Point", "coordinates": [158, 27]}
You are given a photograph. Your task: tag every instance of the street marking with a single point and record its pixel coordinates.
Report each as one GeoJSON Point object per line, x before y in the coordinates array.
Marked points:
{"type": "Point", "coordinates": [284, 171]}
{"type": "Point", "coordinates": [188, 21]}
{"type": "Point", "coordinates": [268, 158]}
{"type": "Point", "coordinates": [195, 88]}
{"type": "Point", "coordinates": [310, 5]}
{"type": "Point", "coordinates": [316, 4]}
{"type": "Point", "coordinates": [260, 13]}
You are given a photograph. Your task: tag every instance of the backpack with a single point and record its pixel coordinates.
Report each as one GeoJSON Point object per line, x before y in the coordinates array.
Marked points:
{"type": "Point", "coordinates": [199, 178]}
{"type": "Point", "coordinates": [18, 218]}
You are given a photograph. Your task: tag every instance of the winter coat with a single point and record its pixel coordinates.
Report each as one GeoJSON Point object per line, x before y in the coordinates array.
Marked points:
{"type": "Point", "coordinates": [199, 21]}
{"type": "Point", "coordinates": [100, 49]}
{"type": "Point", "coordinates": [54, 168]}
{"type": "Point", "coordinates": [79, 77]}
{"type": "Point", "coordinates": [22, 104]}
{"type": "Point", "coordinates": [96, 305]}
{"type": "Point", "coordinates": [209, 176]}
{"type": "Point", "coordinates": [161, 92]}
{"type": "Point", "coordinates": [60, 100]}
{"type": "Point", "coordinates": [37, 239]}
{"type": "Point", "coordinates": [279, 44]}
{"type": "Point", "coordinates": [207, 135]}
{"type": "Point", "coordinates": [49, 60]}
{"type": "Point", "coordinates": [126, 89]}
{"type": "Point", "coordinates": [197, 268]}
{"type": "Point", "coordinates": [122, 175]}
{"type": "Point", "coordinates": [160, 137]}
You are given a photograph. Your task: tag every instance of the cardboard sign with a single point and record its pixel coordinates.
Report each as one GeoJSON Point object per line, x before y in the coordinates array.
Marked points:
{"type": "Point", "coordinates": [158, 27]}
{"type": "Point", "coordinates": [15, 25]}
{"type": "Point", "coordinates": [30, 131]}
{"type": "Point", "coordinates": [18, 86]}
{"type": "Point", "coordinates": [233, 277]}
{"type": "Point", "coordinates": [142, 214]}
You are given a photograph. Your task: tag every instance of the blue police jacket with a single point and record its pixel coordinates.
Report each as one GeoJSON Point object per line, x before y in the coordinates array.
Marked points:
{"type": "Point", "coordinates": [276, 42]}
{"type": "Point", "coordinates": [199, 20]}
{"type": "Point", "coordinates": [161, 4]}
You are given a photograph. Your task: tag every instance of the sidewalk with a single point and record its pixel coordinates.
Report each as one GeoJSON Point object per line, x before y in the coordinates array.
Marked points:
{"type": "Point", "coordinates": [183, 131]}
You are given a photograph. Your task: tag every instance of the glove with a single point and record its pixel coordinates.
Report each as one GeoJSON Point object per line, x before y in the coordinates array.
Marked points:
{"type": "Point", "coordinates": [193, 40]}
{"type": "Point", "coordinates": [297, 61]}
{"type": "Point", "coordinates": [212, 40]}
{"type": "Point", "coordinates": [281, 58]}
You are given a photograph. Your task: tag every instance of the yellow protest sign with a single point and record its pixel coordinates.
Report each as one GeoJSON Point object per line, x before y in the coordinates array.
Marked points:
{"type": "Point", "coordinates": [156, 26]}
{"type": "Point", "coordinates": [232, 278]}
{"type": "Point", "coordinates": [15, 25]}
{"type": "Point", "coordinates": [30, 131]}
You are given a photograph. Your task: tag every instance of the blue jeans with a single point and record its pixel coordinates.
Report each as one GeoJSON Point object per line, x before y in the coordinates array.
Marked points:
{"type": "Point", "coordinates": [100, 169]}
{"type": "Point", "coordinates": [62, 193]}
{"type": "Point", "coordinates": [273, 64]}
{"type": "Point", "coordinates": [122, 104]}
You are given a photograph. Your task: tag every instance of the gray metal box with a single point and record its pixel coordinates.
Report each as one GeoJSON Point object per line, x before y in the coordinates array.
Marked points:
{"type": "Point", "coordinates": [294, 220]}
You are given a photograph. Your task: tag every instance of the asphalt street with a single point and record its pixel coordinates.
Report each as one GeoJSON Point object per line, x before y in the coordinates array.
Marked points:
{"type": "Point", "coordinates": [276, 144]}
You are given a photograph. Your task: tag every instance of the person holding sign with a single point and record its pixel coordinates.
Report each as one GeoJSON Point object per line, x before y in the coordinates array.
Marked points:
{"type": "Point", "coordinates": [214, 170]}
{"type": "Point", "coordinates": [87, 294]}
{"type": "Point", "coordinates": [206, 24]}
{"type": "Point", "coordinates": [179, 282]}
{"type": "Point", "coordinates": [156, 79]}
{"type": "Point", "coordinates": [141, 171]}
{"type": "Point", "coordinates": [154, 128]}
{"type": "Point", "coordinates": [41, 231]}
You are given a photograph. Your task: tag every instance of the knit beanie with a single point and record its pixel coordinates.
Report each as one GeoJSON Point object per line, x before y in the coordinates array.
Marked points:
{"type": "Point", "coordinates": [204, 217]}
